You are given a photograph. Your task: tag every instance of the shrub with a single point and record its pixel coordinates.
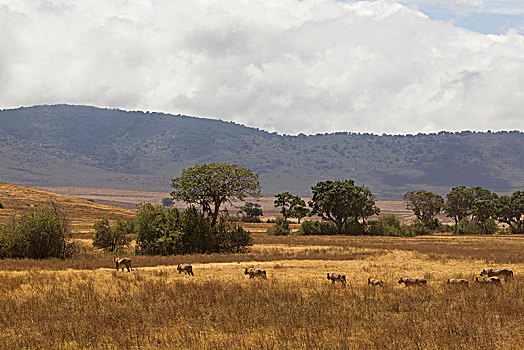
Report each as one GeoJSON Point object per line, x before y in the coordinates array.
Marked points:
{"type": "Point", "coordinates": [387, 225]}
{"type": "Point", "coordinates": [327, 227]}
{"type": "Point", "coordinates": [309, 227]}
{"type": "Point", "coordinates": [110, 238]}
{"type": "Point", "coordinates": [281, 227]}
{"type": "Point", "coordinates": [167, 232]}
{"type": "Point", "coordinates": [39, 234]}
{"type": "Point", "coordinates": [468, 227]}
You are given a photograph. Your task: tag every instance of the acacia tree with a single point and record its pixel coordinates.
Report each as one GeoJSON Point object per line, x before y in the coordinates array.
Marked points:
{"type": "Point", "coordinates": [252, 211]}
{"type": "Point", "coordinates": [484, 206]}
{"type": "Point", "coordinates": [510, 210]}
{"type": "Point", "coordinates": [459, 203]}
{"type": "Point", "coordinates": [424, 204]}
{"type": "Point", "coordinates": [340, 201]}
{"type": "Point", "coordinates": [212, 184]}
{"type": "Point", "coordinates": [291, 206]}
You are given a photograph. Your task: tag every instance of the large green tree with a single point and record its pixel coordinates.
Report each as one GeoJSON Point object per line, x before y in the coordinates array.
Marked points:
{"type": "Point", "coordinates": [459, 203]}
{"type": "Point", "coordinates": [424, 204]}
{"type": "Point", "coordinates": [342, 201]}
{"type": "Point", "coordinates": [212, 184]}
{"type": "Point", "coordinates": [510, 210]}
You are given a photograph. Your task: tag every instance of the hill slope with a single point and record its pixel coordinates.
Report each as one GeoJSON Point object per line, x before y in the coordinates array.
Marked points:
{"type": "Point", "coordinates": [66, 145]}
{"type": "Point", "coordinates": [81, 213]}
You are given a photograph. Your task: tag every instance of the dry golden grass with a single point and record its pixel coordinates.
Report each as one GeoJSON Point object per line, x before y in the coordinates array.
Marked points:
{"type": "Point", "coordinates": [83, 303]}
{"type": "Point", "coordinates": [154, 307]}
{"type": "Point", "coordinates": [81, 213]}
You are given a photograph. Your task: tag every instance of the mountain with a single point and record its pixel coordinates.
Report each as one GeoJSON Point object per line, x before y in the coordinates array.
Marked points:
{"type": "Point", "coordinates": [64, 145]}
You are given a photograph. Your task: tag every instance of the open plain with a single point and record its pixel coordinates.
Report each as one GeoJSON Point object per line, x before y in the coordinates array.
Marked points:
{"type": "Point", "coordinates": [84, 303]}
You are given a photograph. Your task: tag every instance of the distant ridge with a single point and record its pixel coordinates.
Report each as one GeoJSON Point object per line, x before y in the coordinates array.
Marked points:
{"type": "Point", "coordinates": [64, 145]}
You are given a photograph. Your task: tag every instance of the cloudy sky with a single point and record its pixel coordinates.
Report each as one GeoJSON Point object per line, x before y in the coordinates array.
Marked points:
{"type": "Point", "coordinates": [290, 66]}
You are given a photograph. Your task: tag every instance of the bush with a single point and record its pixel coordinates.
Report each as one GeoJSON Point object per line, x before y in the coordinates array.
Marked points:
{"type": "Point", "coordinates": [309, 227]}
{"type": "Point", "coordinates": [110, 238]}
{"type": "Point", "coordinates": [39, 234]}
{"type": "Point", "coordinates": [168, 232]}
{"type": "Point", "coordinates": [387, 225]}
{"type": "Point", "coordinates": [468, 227]}
{"type": "Point", "coordinates": [327, 227]}
{"type": "Point", "coordinates": [281, 228]}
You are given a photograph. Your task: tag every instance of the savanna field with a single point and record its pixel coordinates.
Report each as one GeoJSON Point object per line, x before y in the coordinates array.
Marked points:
{"type": "Point", "coordinates": [84, 303]}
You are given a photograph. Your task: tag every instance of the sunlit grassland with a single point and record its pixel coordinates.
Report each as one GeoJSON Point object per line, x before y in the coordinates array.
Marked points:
{"type": "Point", "coordinates": [154, 307]}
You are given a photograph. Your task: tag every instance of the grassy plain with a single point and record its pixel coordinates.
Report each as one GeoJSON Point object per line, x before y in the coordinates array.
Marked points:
{"type": "Point", "coordinates": [83, 303]}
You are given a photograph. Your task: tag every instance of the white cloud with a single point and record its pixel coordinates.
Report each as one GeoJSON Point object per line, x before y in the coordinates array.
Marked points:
{"type": "Point", "coordinates": [286, 65]}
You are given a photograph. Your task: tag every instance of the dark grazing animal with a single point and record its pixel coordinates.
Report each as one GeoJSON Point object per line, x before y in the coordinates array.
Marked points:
{"type": "Point", "coordinates": [188, 269]}
{"type": "Point", "coordinates": [409, 282]}
{"type": "Point", "coordinates": [255, 273]}
{"type": "Point", "coordinates": [459, 282]}
{"type": "Point", "coordinates": [333, 277]}
{"type": "Point", "coordinates": [497, 273]}
{"type": "Point", "coordinates": [489, 280]}
{"type": "Point", "coordinates": [122, 264]}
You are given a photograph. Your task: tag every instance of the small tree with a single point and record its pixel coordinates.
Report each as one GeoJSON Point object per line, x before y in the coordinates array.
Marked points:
{"type": "Point", "coordinates": [300, 211]}
{"type": "Point", "coordinates": [110, 238]}
{"type": "Point", "coordinates": [211, 185]}
{"type": "Point", "coordinates": [510, 210]}
{"type": "Point", "coordinates": [484, 208]}
{"type": "Point", "coordinates": [459, 203]}
{"type": "Point", "coordinates": [252, 211]}
{"type": "Point", "coordinates": [424, 204]}
{"type": "Point", "coordinates": [168, 202]}
{"type": "Point", "coordinates": [340, 201]}
{"type": "Point", "coordinates": [291, 206]}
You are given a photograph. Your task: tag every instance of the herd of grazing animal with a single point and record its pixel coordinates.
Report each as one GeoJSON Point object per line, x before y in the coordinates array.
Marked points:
{"type": "Point", "coordinates": [493, 276]}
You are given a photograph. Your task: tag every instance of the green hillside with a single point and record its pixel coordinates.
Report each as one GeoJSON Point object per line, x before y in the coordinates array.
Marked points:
{"type": "Point", "coordinates": [66, 145]}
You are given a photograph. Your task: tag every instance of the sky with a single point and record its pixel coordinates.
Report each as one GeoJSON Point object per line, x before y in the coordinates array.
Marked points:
{"type": "Point", "coordinates": [290, 66]}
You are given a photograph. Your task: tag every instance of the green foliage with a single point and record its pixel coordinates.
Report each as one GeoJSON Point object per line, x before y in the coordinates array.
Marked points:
{"type": "Point", "coordinates": [484, 207]}
{"type": "Point", "coordinates": [510, 210]}
{"type": "Point", "coordinates": [281, 228]}
{"type": "Point", "coordinates": [459, 203]}
{"type": "Point", "coordinates": [110, 238]}
{"type": "Point", "coordinates": [252, 211]}
{"type": "Point", "coordinates": [168, 202]}
{"type": "Point", "coordinates": [340, 201]}
{"type": "Point", "coordinates": [425, 205]}
{"type": "Point", "coordinates": [162, 231]}
{"type": "Point", "coordinates": [469, 227]}
{"type": "Point", "coordinates": [212, 184]}
{"type": "Point", "coordinates": [309, 227]}
{"type": "Point", "coordinates": [39, 234]}
{"type": "Point", "coordinates": [386, 225]}
{"type": "Point", "coordinates": [291, 206]}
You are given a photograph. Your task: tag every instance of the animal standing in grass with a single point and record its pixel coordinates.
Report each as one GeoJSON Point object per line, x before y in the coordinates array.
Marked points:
{"type": "Point", "coordinates": [489, 280]}
{"type": "Point", "coordinates": [122, 264]}
{"type": "Point", "coordinates": [255, 273]}
{"type": "Point", "coordinates": [409, 282]}
{"type": "Point", "coordinates": [188, 269]}
{"type": "Point", "coordinates": [497, 273]}
{"type": "Point", "coordinates": [458, 282]}
{"type": "Point", "coordinates": [333, 277]}
{"type": "Point", "coordinates": [374, 282]}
